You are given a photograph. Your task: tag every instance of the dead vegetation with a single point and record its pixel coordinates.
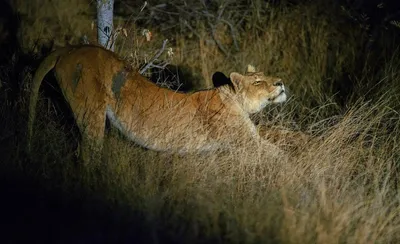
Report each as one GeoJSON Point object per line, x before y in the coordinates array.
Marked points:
{"type": "Point", "coordinates": [339, 183]}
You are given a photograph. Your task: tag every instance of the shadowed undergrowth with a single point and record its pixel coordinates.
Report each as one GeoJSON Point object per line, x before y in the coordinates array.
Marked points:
{"type": "Point", "coordinates": [338, 182]}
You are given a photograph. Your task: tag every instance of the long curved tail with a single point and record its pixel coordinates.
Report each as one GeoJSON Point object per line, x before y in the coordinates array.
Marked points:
{"type": "Point", "coordinates": [45, 66]}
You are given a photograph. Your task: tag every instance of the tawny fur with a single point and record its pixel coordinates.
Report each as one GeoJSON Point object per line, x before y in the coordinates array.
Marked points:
{"type": "Point", "coordinates": [98, 85]}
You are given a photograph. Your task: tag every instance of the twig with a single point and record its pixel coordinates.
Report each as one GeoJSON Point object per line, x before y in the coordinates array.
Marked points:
{"type": "Point", "coordinates": [132, 10]}
{"type": "Point", "coordinates": [191, 28]}
{"type": "Point", "coordinates": [158, 54]}
{"type": "Point", "coordinates": [158, 8]}
{"type": "Point", "coordinates": [160, 66]}
{"type": "Point", "coordinates": [233, 32]}
{"type": "Point", "coordinates": [240, 22]}
{"type": "Point", "coordinates": [213, 29]}
{"type": "Point", "coordinates": [221, 11]}
{"type": "Point", "coordinates": [220, 46]}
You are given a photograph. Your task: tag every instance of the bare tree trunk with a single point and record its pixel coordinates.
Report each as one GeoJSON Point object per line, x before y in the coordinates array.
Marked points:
{"type": "Point", "coordinates": [105, 10]}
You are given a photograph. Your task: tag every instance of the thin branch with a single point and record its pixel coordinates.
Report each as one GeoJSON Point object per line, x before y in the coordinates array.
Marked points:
{"type": "Point", "coordinates": [214, 36]}
{"type": "Point", "coordinates": [221, 11]}
{"type": "Point", "coordinates": [233, 31]}
{"type": "Point", "coordinates": [191, 29]}
{"type": "Point", "coordinates": [156, 56]}
{"type": "Point", "coordinates": [160, 66]}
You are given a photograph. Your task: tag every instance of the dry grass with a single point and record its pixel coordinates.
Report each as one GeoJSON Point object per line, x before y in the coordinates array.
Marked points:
{"type": "Point", "coordinates": [338, 183]}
